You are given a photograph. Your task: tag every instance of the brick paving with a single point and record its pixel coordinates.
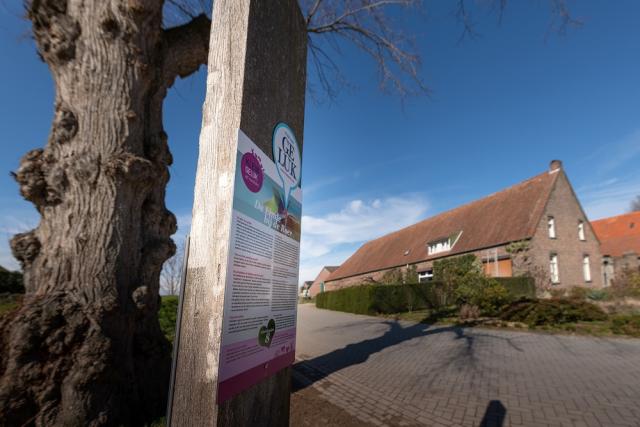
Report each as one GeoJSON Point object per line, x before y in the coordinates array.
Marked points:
{"type": "Point", "coordinates": [390, 373]}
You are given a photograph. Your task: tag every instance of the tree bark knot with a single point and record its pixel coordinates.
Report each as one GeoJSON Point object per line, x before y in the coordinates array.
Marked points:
{"type": "Point", "coordinates": [25, 248]}
{"type": "Point", "coordinates": [53, 350]}
{"type": "Point", "coordinates": [65, 126]}
{"type": "Point", "coordinates": [55, 32]}
{"type": "Point", "coordinates": [41, 180]}
{"type": "Point", "coordinates": [131, 168]}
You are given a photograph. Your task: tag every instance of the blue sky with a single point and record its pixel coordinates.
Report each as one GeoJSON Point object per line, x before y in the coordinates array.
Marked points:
{"type": "Point", "coordinates": [503, 105]}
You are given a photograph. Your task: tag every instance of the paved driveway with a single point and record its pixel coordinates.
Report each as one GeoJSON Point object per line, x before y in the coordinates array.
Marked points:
{"type": "Point", "coordinates": [401, 373]}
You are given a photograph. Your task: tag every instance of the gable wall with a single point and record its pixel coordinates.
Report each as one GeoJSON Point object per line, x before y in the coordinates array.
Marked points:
{"type": "Point", "coordinates": [315, 288]}
{"type": "Point", "coordinates": [566, 210]}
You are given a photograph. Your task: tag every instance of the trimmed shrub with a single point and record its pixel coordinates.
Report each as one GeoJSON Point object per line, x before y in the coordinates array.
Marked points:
{"type": "Point", "coordinates": [469, 312]}
{"type": "Point", "coordinates": [372, 299]}
{"type": "Point", "coordinates": [392, 277]}
{"type": "Point", "coordinates": [578, 292]}
{"type": "Point", "coordinates": [518, 287]}
{"type": "Point", "coordinates": [411, 275]}
{"type": "Point", "coordinates": [598, 295]}
{"type": "Point", "coordinates": [456, 272]}
{"type": "Point", "coordinates": [11, 282]}
{"type": "Point", "coordinates": [558, 292]}
{"type": "Point", "coordinates": [484, 293]}
{"type": "Point", "coordinates": [626, 325]}
{"type": "Point", "coordinates": [626, 284]}
{"type": "Point", "coordinates": [355, 299]}
{"type": "Point", "coordinates": [551, 312]}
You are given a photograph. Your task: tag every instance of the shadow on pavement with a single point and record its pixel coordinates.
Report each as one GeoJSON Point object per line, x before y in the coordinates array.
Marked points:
{"type": "Point", "coordinates": [322, 366]}
{"type": "Point", "coordinates": [494, 415]}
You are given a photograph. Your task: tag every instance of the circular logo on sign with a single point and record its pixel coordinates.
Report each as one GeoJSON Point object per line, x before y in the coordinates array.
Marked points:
{"type": "Point", "coordinates": [252, 173]}
{"type": "Point", "coordinates": [287, 157]}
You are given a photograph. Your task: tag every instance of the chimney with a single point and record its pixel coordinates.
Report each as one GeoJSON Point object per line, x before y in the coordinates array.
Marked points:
{"type": "Point", "coordinates": [555, 165]}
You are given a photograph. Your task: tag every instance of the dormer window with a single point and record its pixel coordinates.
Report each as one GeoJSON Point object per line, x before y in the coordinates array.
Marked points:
{"type": "Point", "coordinates": [581, 231]}
{"type": "Point", "coordinates": [551, 225]}
{"type": "Point", "coordinates": [443, 245]}
{"type": "Point", "coordinates": [439, 246]}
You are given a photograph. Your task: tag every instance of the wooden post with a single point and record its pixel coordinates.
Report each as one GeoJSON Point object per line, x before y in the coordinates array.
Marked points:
{"type": "Point", "coordinates": [256, 78]}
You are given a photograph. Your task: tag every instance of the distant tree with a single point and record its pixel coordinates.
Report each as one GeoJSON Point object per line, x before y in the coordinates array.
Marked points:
{"type": "Point", "coordinates": [635, 204]}
{"type": "Point", "coordinates": [524, 265]}
{"type": "Point", "coordinates": [392, 277]}
{"type": "Point", "coordinates": [171, 276]}
{"type": "Point", "coordinates": [411, 274]}
{"type": "Point", "coordinates": [11, 281]}
{"type": "Point", "coordinates": [451, 272]}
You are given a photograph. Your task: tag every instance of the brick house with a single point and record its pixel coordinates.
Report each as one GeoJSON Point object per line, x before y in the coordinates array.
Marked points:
{"type": "Point", "coordinates": [620, 243]}
{"type": "Point", "coordinates": [318, 285]}
{"type": "Point", "coordinates": [304, 289]}
{"type": "Point", "coordinates": [542, 213]}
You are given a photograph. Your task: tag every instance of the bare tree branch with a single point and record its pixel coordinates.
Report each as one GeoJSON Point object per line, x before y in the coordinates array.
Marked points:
{"type": "Point", "coordinates": [186, 48]}
{"type": "Point", "coordinates": [464, 18]}
{"type": "Point", "coordinates": [171, 275]}
{"type": "Point", "coordinates": [561, 17]}
{"type": "Point", "coordinates": [365, 24]}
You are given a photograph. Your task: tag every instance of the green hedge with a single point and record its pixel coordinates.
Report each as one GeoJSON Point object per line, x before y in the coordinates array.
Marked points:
{"type": "Point", "coordinates": [518, 287]}
{"type": "Point", "coordinates": [372, 299]}
{"type": "Point", "coordinates": [167, 316]}
{"type": "Point", "coordinates": [11, 282]}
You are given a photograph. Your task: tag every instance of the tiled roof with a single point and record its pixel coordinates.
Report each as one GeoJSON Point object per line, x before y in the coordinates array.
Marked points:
{"type": "Point", "coordinates": [619, 234]}
{"type": "Point", "coordinates": [331, 269]}
{"type": "Point", "coordinates": [509, 215]}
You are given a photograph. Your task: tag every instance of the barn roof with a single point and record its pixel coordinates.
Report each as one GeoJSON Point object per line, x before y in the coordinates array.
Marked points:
{"type": "Point", "coordinates": [509, 215]}
{"type": "Point", "coordinates": [619, 234]}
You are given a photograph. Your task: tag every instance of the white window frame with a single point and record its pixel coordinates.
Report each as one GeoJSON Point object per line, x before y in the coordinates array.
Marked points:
{"type": "Point", "coordinates": [551, 226]}
{"type": "Point", "coordinates": [586, 268]}
{"type": "Point", "coordinates": [581, 231]}
{"type": "Point", "coordinates": [554, 268]}
{"type": "Point", "coordinates": [425, 276]}
{"type": "Point", "coordinates": [440, 246]}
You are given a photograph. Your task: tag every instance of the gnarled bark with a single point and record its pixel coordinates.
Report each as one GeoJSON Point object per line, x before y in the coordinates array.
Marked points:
{"type": "Point", "coordinates": [86, 347]}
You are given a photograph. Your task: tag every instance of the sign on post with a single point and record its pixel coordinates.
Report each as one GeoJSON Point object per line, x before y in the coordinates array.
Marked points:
{"type": "Point", "coordinates": [237, 327]}
{"type": "Point", "coordinates": [259, 319]}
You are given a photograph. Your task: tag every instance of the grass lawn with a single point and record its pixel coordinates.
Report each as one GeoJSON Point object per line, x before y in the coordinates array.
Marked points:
{"type": "Point", "coordinates": [9, 302]}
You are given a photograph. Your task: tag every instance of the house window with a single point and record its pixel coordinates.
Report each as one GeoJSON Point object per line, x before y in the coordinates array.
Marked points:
{"type": "Point", "coordinates": [581, 230]}
{"type": "Point", "coordinates": [443, 245]}
{"type": "Point", "coordinates": [553, 266]}
{"type": "Point", "coordinates": [586, 268]}
{"type": "Point", "coordinates": [425, 276]}
{"type": "Point", "coordinates": [551, 225]}
{"type": "Point", "coordinates": [439, 246]}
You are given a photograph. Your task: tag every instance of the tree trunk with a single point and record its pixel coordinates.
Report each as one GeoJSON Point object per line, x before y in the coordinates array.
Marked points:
{"type": "Point", "coordinates": [86, 347]}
